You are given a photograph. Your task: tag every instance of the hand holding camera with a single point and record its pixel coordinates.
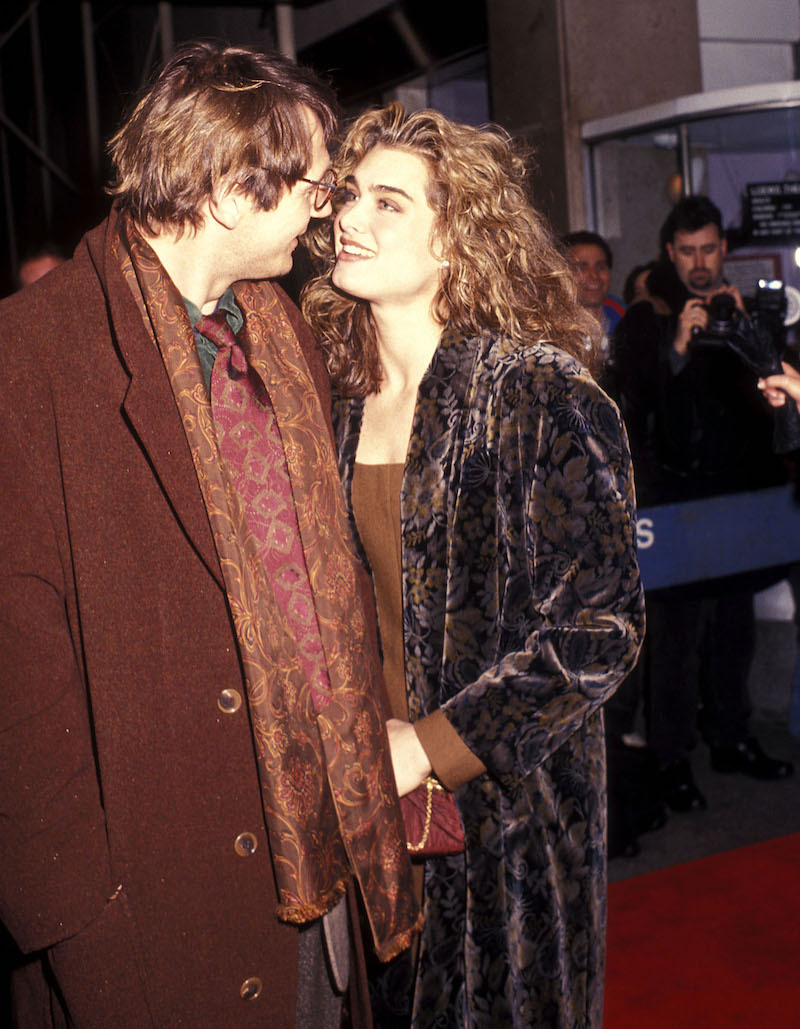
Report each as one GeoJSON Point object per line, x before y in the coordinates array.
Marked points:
{"type": "Point", "coordinates": [692, 319]}
{"type": "Point", "coordinates": [715, 321]}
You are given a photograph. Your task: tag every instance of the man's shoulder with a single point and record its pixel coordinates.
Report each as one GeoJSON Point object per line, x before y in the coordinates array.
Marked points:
{"type": "Point", "coordinates": [36, 316]}
{"type": "Point", "coordinates": [642, 322]}
{"type": "Point", "coordinates": [62, 322]}
{"type": "Point", "coordinates": [643, 313]}
{"type": "Point", "coordinates": [63, 293]}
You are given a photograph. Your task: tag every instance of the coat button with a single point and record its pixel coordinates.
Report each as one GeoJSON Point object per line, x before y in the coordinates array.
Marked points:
{"type": "Point", "coordinates": [229, 701]}
{"type": "Point", "coordinates": [245, 844]}
{"type": "Point", "coordinates": [251, 988]}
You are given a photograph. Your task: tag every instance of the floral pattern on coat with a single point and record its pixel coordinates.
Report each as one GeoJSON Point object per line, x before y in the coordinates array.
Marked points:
{"type": "Point", "coordinates": [523, 611]}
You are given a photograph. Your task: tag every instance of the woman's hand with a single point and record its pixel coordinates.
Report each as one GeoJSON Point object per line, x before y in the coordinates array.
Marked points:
{"type": "Point", "coordinates": [777, 387]}
{"type": "Point", "coordinates": [409, 760]}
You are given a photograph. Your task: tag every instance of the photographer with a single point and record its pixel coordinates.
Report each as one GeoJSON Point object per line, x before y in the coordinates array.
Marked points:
{"type": "Point", "coordinates": [697, 428]}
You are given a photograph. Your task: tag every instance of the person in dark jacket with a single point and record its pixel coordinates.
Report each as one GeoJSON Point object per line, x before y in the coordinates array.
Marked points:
{"type": "Point", "coordinates": [697, 428]}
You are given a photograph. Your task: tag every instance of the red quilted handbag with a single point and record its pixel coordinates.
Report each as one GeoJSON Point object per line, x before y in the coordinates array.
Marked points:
{"type": "Point", "coordinates": [433, 825]}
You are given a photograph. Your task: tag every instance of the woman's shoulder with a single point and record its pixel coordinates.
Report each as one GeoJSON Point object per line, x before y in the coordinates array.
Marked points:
{"type": "Point", "coordinates": [539, 365]}
{"type": "Point", "coordinates": [526, 384]}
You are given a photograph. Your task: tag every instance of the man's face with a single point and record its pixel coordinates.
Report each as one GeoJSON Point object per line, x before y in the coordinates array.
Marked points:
{"type": "Point", "coordinates": [266, 240]}
{"type": "Point", "coordinates": [592, 273]}
{"type": "Point", "coordinates": [697, 257]}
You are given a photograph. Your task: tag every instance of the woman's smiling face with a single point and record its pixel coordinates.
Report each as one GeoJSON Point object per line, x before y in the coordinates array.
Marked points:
{"type": "Point", "coordinates": [384, 232]}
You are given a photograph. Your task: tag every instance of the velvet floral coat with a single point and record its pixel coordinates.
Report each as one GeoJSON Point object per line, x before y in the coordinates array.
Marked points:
{"type": "Point", "coordinates": [523, 611]}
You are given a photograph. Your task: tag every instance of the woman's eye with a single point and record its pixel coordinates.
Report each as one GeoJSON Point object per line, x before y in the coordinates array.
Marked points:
{"type": "Point", "coordinates": [348, 195]}
{"type": "Point", "coordinates": [387, 205]}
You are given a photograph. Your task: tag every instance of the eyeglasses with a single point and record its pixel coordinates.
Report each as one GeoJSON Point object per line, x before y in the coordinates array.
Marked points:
{"type": "Point", "coordinates": [325, 188]}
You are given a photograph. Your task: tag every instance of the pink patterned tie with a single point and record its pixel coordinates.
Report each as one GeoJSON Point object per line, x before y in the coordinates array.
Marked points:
{"type": "Point", "coordinates": [251, 446]}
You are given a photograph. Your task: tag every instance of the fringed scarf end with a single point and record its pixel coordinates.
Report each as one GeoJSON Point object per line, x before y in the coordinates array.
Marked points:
{"type": "Point", "coordinates": [398, 943]}
{"type": "Point", "coordinates": [300, 914]}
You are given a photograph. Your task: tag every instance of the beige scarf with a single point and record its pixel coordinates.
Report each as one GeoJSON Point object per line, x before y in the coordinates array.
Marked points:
{"type": "Point", "coordinates": [327, 783]}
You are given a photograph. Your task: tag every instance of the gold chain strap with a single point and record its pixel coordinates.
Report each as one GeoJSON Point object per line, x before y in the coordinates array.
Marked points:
{"type": "Point", "coordinates": [431, 784]}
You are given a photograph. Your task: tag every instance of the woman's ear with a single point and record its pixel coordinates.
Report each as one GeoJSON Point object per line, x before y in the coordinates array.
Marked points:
{"type": "Point", "coordinates": [437, 251]}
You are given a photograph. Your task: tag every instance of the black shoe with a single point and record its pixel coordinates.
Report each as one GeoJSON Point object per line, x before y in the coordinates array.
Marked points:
{"type": "Point", "coordinates": [748, 758]}
{"type": "Point", "coordinates": [621, 843]}
{"type": "Point", "coordinates": [657, 817]}
{"type": "Point", "coordinates": [679, 789]}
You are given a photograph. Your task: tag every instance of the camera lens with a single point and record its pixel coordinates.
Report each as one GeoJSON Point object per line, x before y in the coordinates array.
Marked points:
{"type": "Point", "coordinates": [721, 314]}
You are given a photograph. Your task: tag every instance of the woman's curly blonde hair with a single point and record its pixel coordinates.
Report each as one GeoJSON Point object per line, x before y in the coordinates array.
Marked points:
{"type": "Point", "coordinates": [506, 272]}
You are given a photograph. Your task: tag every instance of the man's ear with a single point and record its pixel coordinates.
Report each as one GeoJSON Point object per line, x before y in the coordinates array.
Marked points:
{"type": "Point", "coordinates": [226, 205]}
{"type": "Point", "coordinates": [671, 252]}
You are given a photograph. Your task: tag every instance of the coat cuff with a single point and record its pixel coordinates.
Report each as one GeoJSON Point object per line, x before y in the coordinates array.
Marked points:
{"type": "Point", "coordinates": [452, 761]}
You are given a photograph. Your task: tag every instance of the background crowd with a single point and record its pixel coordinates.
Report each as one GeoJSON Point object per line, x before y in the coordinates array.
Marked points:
{"type": "Point", "coordinates": [698, 427]}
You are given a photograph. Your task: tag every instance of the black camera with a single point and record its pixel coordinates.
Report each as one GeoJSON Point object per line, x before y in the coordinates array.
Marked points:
{"type": "Point", "coordinates": [767, 308]}
{"type": "Point", "coordinates": [723, 319]}
{"type": "Point", "coordinates": [758, 339]}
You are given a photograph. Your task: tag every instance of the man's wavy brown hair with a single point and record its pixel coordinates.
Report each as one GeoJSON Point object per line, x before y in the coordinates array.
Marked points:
{"type": "Point", "coordinates": [216, 114]}
{"type": "Point", "coordinates": [506, 272]}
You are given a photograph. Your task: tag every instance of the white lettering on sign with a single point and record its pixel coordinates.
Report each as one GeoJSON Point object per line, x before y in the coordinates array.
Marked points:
{"type": "Point", "coordinates": [645, 533]}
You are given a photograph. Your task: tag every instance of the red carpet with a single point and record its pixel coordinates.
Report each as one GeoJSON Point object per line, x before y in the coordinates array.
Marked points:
{"type": "Point", "coordinates": [712, 943]}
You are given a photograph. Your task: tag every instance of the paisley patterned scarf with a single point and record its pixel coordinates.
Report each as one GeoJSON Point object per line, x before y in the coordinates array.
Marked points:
{"type": "Point", "coordinates": [327, 782]}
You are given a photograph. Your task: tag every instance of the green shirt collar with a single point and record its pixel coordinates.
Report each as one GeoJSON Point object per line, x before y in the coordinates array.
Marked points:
{"type": "Point", "coordinates": [206, 350]}
{"type": "Point", "coordinates": [226, 303]}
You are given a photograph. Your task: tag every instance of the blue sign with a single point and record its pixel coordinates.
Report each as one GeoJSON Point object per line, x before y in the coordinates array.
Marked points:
{"type": "Point", "coordinates": [705, 539]}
